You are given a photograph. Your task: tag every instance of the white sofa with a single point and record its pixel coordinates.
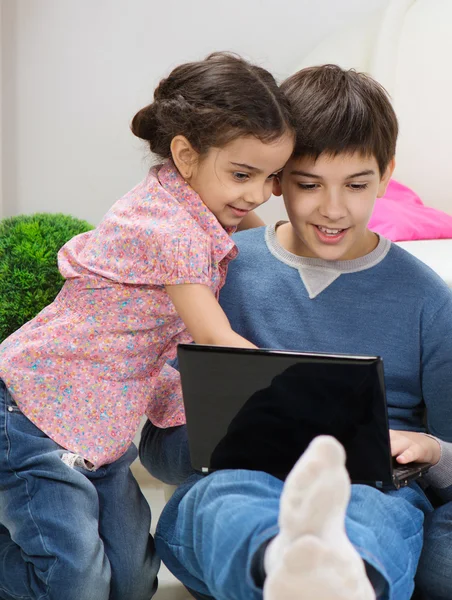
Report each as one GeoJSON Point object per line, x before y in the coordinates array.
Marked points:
{"type": "Point", "coordinates": [407, 47]}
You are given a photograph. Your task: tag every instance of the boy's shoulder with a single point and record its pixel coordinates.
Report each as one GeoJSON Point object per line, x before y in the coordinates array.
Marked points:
{"type": "Point", "coordinates": [244, 237]}
{"type": "Point", "coordinates": [250, 241]}
{"type": "Point", "coordinates": [413, 275]}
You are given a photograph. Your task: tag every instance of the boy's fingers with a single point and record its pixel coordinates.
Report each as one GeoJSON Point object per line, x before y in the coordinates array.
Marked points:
{"type": "Point", "coordinates": [410, 455]}
{"type": "Point", "coordinates": [404, 448]}
{"type": "Point", "coordinates": [399, 443]}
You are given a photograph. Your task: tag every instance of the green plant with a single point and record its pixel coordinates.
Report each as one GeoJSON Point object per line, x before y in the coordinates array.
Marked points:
{"type": "Point", "coordinates": [29, 276]}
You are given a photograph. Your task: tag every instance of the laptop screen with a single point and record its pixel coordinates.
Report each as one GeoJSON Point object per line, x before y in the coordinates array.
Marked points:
{"type": "Point", "coordinates": [259, 409]}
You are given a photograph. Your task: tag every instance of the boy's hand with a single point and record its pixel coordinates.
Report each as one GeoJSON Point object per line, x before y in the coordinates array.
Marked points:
{"type": "Point", "coordinates": [411, 446]}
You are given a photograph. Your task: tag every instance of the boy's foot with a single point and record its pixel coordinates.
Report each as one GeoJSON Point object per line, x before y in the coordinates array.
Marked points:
{"type": "Point", "coordinates": [312, 558]}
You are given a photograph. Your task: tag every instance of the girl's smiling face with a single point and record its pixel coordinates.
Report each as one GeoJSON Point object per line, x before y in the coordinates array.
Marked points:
{"type": "Point", "coordinates": [238, 177]}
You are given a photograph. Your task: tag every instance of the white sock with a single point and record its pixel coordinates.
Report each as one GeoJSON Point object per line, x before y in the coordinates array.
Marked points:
{"type": "Point", "coordinates": [312, 558]}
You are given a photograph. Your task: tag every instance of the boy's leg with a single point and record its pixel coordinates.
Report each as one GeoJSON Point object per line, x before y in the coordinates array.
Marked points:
{"type": "Point", "coordinates": [213, 528]}
{"type": "Point", "coordinates": [312, 552]}
{"type": "Point", "coordinates": [387, 530]}
{"type": "Point", "coordinates": [124, 524]}
{"type": "Point", "coordinates": [434, 576]}
{"type": "Point", "coordinates": [206, 529]}
{"type": "Point", "coordinates": [49, 541]}
{"type": "Point", "coordinates": [165, 454]}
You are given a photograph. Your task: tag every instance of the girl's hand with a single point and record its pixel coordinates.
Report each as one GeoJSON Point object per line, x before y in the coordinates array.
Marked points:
{"type": "Point", "coordinates": [411, 446]}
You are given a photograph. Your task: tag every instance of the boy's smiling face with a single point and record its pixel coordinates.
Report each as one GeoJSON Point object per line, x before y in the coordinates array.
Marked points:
{"type": "Point", "coordinates": [329, 202]}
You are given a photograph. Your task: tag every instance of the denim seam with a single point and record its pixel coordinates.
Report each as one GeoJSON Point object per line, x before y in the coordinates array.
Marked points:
{"type": "Point", "coordinates": [14, 595]}
{"type": "Point", "coordinates": [264, 536]}
{"type": "Point", "coordinates": [46, 582]}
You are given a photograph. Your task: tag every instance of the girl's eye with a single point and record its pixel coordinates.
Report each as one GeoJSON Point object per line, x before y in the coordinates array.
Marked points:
{"type": "Point", "coordinates": [241, 176]}
{"type": "Point", "coordinates": [357, 187]}
{"type": "Point", "coordinates": [308, 187]}
{"type": "Point", "coordinates": [274, 175]}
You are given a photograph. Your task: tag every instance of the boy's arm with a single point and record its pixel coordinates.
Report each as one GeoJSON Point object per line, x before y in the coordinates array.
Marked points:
{"type": "Point", "coordinates": [204, 318]}
{"type": "Point", "coordinates": [409, 446]}
{"type": "Point", "coordinates": [412, 446]}
{"type": "Point", "coordinates": [436, 377]}
{"type": "Point", "coordinates": [439, 476]}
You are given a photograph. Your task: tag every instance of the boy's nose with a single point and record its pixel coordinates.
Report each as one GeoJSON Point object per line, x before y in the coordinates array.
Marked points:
{"type": "Point", "coordinates": [332, 207]}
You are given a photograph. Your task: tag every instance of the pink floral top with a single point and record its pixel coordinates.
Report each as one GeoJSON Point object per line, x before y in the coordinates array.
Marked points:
{"type": "Point", "coordinates": [84, 370]}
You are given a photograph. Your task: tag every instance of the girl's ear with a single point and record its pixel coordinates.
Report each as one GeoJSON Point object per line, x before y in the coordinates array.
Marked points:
{"type": "Point", "coordinates": [277, 191]}
{"type": "Point", "coordinates": [184, 156]}
{"type": "Point", "coordinates": [385, 179]}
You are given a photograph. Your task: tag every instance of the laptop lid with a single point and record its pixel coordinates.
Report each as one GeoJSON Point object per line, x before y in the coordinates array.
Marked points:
{"type": "Point", "coordinates": [259, 409]}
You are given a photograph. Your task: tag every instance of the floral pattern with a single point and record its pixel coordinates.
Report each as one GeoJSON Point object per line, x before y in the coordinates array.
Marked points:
{"type": "Point", "coordinates": [84, 370]}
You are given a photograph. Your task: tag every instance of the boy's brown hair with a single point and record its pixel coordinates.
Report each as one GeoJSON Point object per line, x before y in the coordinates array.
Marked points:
{"type": "Point", "coordinates": [337, 110]}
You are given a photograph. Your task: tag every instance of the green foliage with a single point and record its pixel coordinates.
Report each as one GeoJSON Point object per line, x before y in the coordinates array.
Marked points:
{"type": "Point", "coordinates": [29, 276]}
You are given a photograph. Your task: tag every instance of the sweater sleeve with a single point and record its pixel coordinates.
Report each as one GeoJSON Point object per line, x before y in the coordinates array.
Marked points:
{"type": "Point", "coordinates": [440, 475]}
{"type": "Point", "coordinates": [436, 372]}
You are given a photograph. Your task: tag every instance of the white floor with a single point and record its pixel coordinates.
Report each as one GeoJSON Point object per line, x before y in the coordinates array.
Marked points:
{"type": "Point", "coordinates": [169, 587]}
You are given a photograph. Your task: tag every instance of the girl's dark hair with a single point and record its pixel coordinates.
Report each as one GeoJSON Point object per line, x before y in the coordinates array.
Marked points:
{"type": "Point", "coordinates": [339, 111]}
{"type": "Point", "coordinates": [211, 102]}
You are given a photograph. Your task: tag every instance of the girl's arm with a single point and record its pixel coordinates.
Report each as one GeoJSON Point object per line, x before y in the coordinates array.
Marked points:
{"type": "Point", "coordinates": [251, 221]}
{"type": "Point", "coordinates": [203, 316]}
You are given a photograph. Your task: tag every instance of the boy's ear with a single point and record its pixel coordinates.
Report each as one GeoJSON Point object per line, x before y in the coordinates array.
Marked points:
{"type": "Point", "coordinates": [184, 156]}
{"type": "Point", "coordinates": [277, 190]}
{"type": "Point", "coordinates": [385, 179]}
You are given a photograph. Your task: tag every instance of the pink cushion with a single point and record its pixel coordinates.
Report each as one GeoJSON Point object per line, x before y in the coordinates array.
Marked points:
{"type": "Point", "coordinates": [400, 215]}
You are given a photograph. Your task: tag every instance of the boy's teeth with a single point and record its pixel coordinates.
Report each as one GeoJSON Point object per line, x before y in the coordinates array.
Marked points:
{"type": "Point", "coordinates": [330, 231]}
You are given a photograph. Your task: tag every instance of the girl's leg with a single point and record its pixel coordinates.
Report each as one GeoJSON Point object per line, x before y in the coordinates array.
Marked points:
{"type": "Point", "coordinates": [125, 520]}
{"type": "Point", "coordinates": [49, 542]}
{"type": "Point", "coordinates": [165, 454]}
{"type": "Point", "coordinates": [434, 576]}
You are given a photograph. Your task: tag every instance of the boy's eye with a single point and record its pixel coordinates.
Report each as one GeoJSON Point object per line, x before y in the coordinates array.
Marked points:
{"type": "Point", "coordinates": [357, 187]}
{"type": "Point", "coordinates": [240, 176]}
{"type": "Point", "coordinates": [308, 187]}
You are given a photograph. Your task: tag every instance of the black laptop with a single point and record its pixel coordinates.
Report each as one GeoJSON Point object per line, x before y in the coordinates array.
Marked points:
{"type": "Point", "coordinates": [259, 410]}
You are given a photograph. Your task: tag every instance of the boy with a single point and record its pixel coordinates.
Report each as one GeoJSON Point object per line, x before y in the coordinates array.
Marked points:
{"type": "Point", "coordinates": [323, 282]}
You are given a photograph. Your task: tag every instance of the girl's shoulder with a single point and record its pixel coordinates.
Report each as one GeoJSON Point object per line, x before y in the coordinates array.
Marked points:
{"type": "Point", "coordinates": [149, 209]}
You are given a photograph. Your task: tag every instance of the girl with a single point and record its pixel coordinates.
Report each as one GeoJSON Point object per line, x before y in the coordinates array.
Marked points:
{"type": "Point", "coordinates": [76, 380]}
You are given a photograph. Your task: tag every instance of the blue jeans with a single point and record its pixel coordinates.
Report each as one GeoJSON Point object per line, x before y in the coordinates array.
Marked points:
{"type": "Point", "coordinates": [68, 532]}
{"type": "Point", "coordinates": [165, 453]}
{"type": "Point", "coordinates": [434, 576]}
{"type": "Point", "coordinates": [213, 527]}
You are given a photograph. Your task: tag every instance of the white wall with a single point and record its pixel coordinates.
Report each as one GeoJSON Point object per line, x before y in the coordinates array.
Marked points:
{"type": "Point", "coordinates": [76, 71]}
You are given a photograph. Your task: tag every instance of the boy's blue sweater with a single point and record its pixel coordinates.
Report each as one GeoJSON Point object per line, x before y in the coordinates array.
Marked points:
{"type": "Point", "coordinates": [398, 309]}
